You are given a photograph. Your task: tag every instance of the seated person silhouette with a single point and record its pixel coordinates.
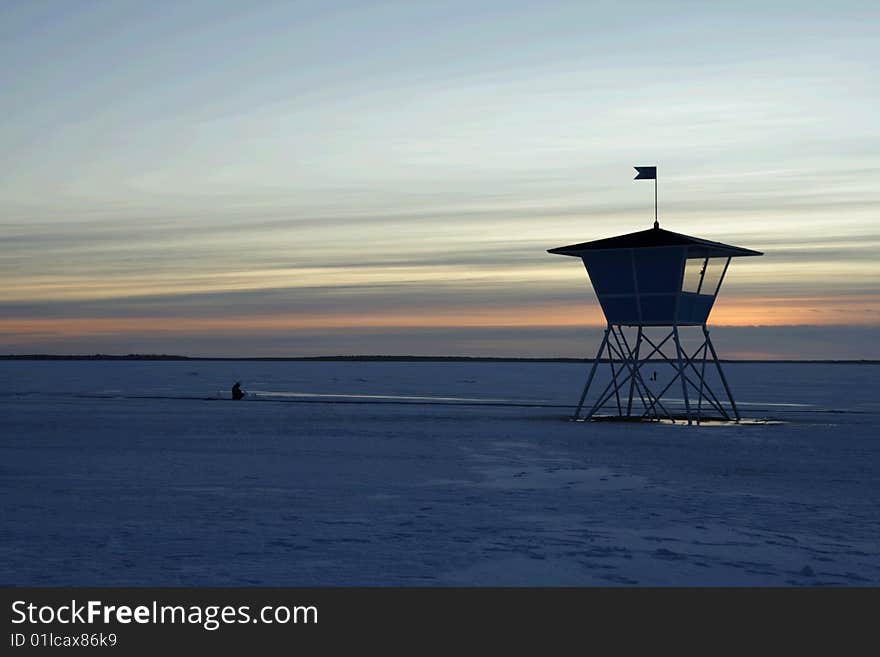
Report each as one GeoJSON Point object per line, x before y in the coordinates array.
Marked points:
{"type": "Point", "coordinates": [237, 392]}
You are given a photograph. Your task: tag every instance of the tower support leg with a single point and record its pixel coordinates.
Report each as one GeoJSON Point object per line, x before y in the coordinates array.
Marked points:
{"type": "Point", "coordinates": [637, 383]}
{"type": "Point", "coordinates": [635, 359]}
{"type": "Point", "coordinates": [596, 360]}
{"type": "Point", "coordinates": [702, 384]}
{"type": "Point", "coordinates": [626, 361]}
{"type": "Point", "coordinates": [681, 365]}
{"type": "Point", "coordinates": [614, 375]}
{"type": "Point", "coordinates": [721, 373]}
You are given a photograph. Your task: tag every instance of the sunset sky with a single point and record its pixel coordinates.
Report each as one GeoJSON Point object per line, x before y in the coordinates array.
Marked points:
{"type": "Point", "coordinates": [320, 178]}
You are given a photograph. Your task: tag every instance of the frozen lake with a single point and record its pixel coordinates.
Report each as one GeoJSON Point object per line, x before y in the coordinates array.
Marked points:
{"type": "Point", "coordinates": [377, 473]}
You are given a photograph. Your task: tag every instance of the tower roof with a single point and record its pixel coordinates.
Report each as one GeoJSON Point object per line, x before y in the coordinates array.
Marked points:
{"type": "Point", "coordinates": [656, 237]}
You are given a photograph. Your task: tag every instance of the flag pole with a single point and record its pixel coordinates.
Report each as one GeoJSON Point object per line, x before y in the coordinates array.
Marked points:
{"type": "Point", "coordinates": [656, 221]}
{"type": "Point", "coordinates": [646, 173]}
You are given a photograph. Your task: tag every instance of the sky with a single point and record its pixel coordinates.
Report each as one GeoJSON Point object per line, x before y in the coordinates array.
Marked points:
{"type": "Point", "coordinates": [323, 178]}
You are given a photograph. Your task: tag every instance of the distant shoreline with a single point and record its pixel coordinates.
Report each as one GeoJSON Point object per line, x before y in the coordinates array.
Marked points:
{"type": "Point", "coordinates": [390, 359]}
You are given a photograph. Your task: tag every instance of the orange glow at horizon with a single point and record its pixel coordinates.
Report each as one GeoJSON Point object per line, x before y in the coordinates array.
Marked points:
{"type": "Point", "coordinates": [817, 311]}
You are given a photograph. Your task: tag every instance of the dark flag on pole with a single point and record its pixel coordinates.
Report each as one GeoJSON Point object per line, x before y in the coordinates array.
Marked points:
{"type": "Point", "coordinates": [649, 173]}
{"type": "Point", "coordinates": [646, 173]}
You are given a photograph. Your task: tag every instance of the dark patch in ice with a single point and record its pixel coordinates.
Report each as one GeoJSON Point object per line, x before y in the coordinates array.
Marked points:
{"type": "Point", "coordinates": [663, 553]}
{"type": "Point", "coordinates": [661, 539]}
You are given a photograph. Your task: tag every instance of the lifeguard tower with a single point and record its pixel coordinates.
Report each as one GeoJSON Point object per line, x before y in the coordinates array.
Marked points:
{"type": "Point", "coordinates": [656, 283]}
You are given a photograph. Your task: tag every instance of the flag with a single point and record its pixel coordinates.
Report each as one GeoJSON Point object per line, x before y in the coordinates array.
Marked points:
{"type": "Point", "coordinates": [646, 173]}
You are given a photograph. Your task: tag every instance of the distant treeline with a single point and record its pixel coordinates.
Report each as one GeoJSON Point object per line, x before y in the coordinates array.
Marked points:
{"type": "Point", "coordinates": [93, 357]}
{"type": "Point", "coordinates": [398, 359]}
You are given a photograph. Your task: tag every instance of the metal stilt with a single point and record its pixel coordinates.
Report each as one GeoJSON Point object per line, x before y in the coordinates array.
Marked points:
{"type": "Point", "coordinates": [681, 366]}
{"type": "Point", "coordinates": [627, 385]}
{"type": "Point", "coordinates": [596, 360]}
{"type": "Point", "coordinates": [721, 373]}
{"type": "Point", "coordinates": [635, 357]}
{"type": "Point", "coordinates": [702, 383]}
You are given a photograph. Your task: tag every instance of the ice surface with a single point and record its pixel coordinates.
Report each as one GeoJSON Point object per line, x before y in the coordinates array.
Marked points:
{"type": "Point", "coordinates": [377, 473]}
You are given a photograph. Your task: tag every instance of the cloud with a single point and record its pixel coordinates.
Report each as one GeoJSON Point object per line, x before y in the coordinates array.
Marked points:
{"type": "Point", "coordinates": [396, 167]}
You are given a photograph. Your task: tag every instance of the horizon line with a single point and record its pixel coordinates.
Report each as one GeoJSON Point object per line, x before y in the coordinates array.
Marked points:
{"type": "Point", "coordinates": [406, 358]}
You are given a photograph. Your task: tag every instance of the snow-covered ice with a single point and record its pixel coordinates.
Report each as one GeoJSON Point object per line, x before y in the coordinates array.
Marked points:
{"type": "Point", "coordinates": [454, 473]}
